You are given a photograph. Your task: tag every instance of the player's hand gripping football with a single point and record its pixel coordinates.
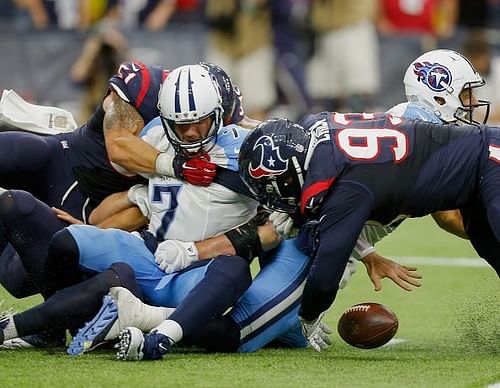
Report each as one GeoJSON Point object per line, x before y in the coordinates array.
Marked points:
{"type": "Point", "coordinates": [316, 332]}
{"type": "Point", "coordinates": [378, 267]}
{"type": "Point", "coordinates": [197, 170]}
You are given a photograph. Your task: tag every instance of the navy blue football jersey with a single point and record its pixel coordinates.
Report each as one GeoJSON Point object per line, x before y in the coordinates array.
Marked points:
{"type": "Point", "coordinates": [137, 84]}
{"type": "Point", "coordinates": [408, 167]}
{"type": "Point", "coordinates": [382, 168]}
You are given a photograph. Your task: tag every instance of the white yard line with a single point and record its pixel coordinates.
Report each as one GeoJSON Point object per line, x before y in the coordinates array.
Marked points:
{"type": "Point", "coordinates": [442, 261]}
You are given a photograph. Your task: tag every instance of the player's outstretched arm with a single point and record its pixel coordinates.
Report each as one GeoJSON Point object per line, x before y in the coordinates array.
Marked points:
{"type": "Point", "coordinates": [378, 267]}
{"type": "Point", "coordinates": [245, 241]}
{"type": "Point", "coordinates": [117, 211]}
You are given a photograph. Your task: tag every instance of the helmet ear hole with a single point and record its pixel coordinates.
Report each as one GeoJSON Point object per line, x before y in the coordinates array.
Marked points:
{"type": "Point", "coordinates": [439, 100]}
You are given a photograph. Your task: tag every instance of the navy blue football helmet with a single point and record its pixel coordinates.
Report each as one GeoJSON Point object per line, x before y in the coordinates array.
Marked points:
{"type": "Point", "coordinates": [227, 90]}
{"type": "Point", "coordinates": [271, 163]}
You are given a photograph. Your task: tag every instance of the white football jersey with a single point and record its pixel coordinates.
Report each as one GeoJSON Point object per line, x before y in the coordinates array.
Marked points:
{"type": "Point", "coordinates": [186, 212]}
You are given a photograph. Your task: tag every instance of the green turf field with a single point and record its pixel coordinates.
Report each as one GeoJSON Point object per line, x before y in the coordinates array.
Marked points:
{"type": "Point", "coordinates": [450, 332]}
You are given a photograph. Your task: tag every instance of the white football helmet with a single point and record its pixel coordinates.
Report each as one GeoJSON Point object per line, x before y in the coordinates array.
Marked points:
{"type": "Point", "coordinates": [189, 94]}
{"type": "Point", "coordinates": [436, 79]}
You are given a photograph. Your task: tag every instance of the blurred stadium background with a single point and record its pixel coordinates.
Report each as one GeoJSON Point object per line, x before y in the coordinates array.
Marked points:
{"type": "Point", "coordinates": [41, 40]}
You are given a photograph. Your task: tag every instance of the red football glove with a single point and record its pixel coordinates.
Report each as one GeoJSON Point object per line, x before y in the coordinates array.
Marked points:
{"type": "Point", "coordinates": [198, 170]}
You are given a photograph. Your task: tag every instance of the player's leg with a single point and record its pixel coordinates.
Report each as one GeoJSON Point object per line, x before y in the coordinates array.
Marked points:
{"type": "Point", "coordinates": [93, 250]}
{"type": "Point", "coordinates": [71, 307]}
{"type": "Point", "coordinates": [119, 309]}
{"type": "Point", "coordinates": [269, 308]}
{"type": "Point", "coordinates": [483, 226]}
{"type": "Point", "coordinates": [26, 225]}
{"type": "Point", "coordinates": [224, 281]}
{"type": "Point", "coordinates": [266, 311]}
{"type": "Point", "coordinates": [13, 275]}
{"type": "Point", "coordinates": [27, 156]}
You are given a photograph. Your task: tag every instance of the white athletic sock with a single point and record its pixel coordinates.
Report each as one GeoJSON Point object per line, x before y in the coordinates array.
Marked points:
{"type": "Point", "coordinates": [152, 316]}
{"type": "Point", "coordinates": [133, 312]}
{"type": "Point", "coordinates": [171, 329]}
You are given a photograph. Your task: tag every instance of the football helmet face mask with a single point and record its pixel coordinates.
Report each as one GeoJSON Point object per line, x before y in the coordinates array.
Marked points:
{"type": "Point", "coordinates": [188, 95]}
{"type": "Point", "coordinates": [437, 79]}
{"type": "Point", "coordinates": [272, 163]}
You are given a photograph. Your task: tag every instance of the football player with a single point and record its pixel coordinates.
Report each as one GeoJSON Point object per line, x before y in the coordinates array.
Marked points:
{"type": "Point", "coordinates": [191, 122]}
{"type": "Point", "coordinates": [344, 170]}
{"type": "Point", "coordinates": [440, 87]}
{"type": "Point", "coordinates": [75, 171]}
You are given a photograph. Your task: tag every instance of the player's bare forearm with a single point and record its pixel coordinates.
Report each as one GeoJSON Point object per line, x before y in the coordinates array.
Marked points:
{"type": "Point", "coordinates": [213, 247]}
{"type": "Point", "coordinates": [128, 219]}
{"type": "Point", "coordinates": [451, 221]}
{"type": "Point", "coordinates": [122, 124]}
{"type": "Point", "coordinates": [110, 206]}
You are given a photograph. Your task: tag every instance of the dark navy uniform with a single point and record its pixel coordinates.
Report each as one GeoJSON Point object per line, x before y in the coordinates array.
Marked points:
{"type": "Point", "coordinates": [70, 171]}
{"type": "Point", "coordinates": [383, 168]}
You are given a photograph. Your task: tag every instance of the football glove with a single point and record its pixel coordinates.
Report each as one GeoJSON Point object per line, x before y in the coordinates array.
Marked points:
{"type": "Point", "coordinates": [138, 195]}
{"type": "Point", "coordinates": [283, 224]}
{"type": "Point", "coordinates": [174, 255]}
{"type": "Point", "coordinates": [198, 171]}
{"type": "Point", "coordinates": [316, 333]}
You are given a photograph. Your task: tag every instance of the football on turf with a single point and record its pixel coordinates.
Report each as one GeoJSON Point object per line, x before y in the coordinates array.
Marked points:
{"type": "Point", "coordinates": [367, 325]}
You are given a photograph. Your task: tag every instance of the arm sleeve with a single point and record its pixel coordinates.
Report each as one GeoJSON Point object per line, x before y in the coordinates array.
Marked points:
{"type": "Point", "coordinates": [343, 214]}
{"type": "Point", "coordinates": [362, 248]}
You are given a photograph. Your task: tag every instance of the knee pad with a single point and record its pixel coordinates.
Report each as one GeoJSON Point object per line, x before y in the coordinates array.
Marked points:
{"type": "Point", "coordinates": [125, 275]}
{"type": "Point", "coordinates": [122, 271]}
{"type": "Point", "coordinates": [62, 244]}
{"type": "Point", "coordinates": [15, 204]}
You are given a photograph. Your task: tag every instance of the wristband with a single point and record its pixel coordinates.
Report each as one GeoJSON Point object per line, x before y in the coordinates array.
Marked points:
{"type": "Point", "coordinates": [164, 164]}
{"type": "Point", "coordinates": [246, 241]}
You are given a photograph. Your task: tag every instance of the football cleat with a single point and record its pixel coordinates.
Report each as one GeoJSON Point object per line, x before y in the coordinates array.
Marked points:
{"type": "Point", "coordinates": [134, 345]}
{"type": "Point", "coordinates": [36, 341]}
{"type": "Point", "coordinates": [5, 317]}
{"type": "Point", "coordinates": [94, 332]}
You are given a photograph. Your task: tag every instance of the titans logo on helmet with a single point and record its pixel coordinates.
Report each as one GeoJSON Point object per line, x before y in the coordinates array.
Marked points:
{"type": "Point", "coordinates": [271, 163]}
{"type": "Point", "coordinates": [437, 77]}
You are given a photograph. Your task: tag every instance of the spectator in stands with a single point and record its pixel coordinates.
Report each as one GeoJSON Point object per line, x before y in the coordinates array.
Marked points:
{"type": "Point", "coordinates": [152, 15]}
{"type": "Point", "coordinates": [344, 72]}
{"type": "Point", "coordinates": [63, 14]}
{"type": "Point", "coordinates": [99, 59]}
{"type": "Point", "coordinates": [240, 41]}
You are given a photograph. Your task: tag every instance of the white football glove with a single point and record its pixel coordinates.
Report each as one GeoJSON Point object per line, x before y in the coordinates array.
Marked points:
{"type": "Point", "coordinates": [174, 255]}
{"type": "Point", "coordinates": [316, 333]}
{"type": "Point", "coordinates": [283, 224]}
{"type": "Point", "coordinates": [138, 195]}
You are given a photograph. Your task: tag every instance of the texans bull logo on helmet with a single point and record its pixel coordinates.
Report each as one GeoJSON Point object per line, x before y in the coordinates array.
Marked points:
{"type": "Point", "coordinates": [271, 163]}
{"type": "Point", "coordinates": [436, 76]}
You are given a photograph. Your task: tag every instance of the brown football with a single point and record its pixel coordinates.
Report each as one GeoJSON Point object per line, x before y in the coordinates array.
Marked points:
{"type": "Point", "coordinates": [367, 325]}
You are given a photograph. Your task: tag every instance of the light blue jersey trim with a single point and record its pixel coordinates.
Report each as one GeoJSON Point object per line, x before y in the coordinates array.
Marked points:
{"type": "Point", "coordinates": [153, 123]}
{"type": "Point", "coordinates": [230, 139]}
